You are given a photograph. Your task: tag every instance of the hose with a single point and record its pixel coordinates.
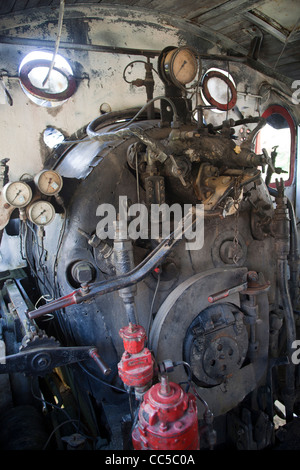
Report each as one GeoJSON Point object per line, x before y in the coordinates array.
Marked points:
{"type": "Point", "coordinates": [108, 119]}
{"type": "Point", "coordinates": [123, 131]}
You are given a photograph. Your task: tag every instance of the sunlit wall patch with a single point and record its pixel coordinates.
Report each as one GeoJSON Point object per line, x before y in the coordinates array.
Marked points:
{"type": "Point", "coordinates": [52, 137]}
{"type": "Point", "coordinates": [44, 89]}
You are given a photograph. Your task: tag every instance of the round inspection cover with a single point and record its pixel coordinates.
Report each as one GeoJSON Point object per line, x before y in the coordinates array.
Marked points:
{"type": "Point", "coordinates": [183, 305]}
{"type": "Point", "coordinates": [216, 343]}
{"type": "Point", "coordinates": [208, 96]}
{"type": "Point", "coordinates": [223, 249]}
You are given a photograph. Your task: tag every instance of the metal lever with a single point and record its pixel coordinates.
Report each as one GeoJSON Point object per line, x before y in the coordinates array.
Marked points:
{"type": "Point", "coordinates": [93, 353]}
{"type": "Point", "coordinates": [41, 361]}
{"type": "Point", "coordinates": [226, 292]}
{"type": "Point", "coordinates": [268, 160]}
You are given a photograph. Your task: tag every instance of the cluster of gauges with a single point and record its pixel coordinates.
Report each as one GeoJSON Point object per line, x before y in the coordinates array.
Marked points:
{"type": "Point", "coordinates": [180, 66]}
{"type": "Point", "coordinates": [19, 194]}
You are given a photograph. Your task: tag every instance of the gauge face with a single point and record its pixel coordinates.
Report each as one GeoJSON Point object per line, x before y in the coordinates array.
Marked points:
{"type": "Point", "coordinates": [17, 193]}
{"type": "Point", "coordinates": [41, 213]}
{"type": "Point", "coordinates": [49, 182]}
{"type": "Point", "coordinates": [181, 65]}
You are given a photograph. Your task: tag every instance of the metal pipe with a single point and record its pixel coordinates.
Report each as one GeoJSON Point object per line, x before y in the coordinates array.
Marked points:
{"type": "Point", "coordinates": [17, 41]}
{"type": "Point", "coordinates": [293, 257]}
{"type": "Point", "coordinates": [248, 61]}
{"type": "Point", "coordinates": [290, 337]}
{"type": "Point", "coordinates": [282, 245]}
{"type": "Point", "coordinates": [110, 118]}
{"type": "Point", "coordinates": [124, 263]}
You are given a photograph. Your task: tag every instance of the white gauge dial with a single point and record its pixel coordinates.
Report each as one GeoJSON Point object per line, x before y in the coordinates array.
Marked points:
{"type": "Point", "coordinates": [184, 66]}
{"type": "Point", "coordinates": [180, 65]}
{"type": "Point", "coordinates": [17, 193]}
{"type": "Point", "coordinates": [41, 213]}
{"type": "Point", "coordinates": [49, 182]}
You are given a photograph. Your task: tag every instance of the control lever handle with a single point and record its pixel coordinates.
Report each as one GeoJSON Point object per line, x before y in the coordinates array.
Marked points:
{"type": "Point", "coordinates": [93, 353]}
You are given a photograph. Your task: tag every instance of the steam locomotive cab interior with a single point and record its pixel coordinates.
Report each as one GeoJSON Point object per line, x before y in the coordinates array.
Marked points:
{"type": "Point", "coordinates": [149, 212]}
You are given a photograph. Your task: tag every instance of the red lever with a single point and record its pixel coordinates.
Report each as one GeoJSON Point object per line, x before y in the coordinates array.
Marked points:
{"type": "Point", "coordinates": [225, 293]}
{"type": "Point", "coordinates": [62, 302]}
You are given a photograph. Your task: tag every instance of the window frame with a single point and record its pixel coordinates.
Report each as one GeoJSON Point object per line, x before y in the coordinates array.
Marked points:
{"type": "Point", "coordinates": [278, 109]}
{"type": "Point", "coordinates": [39, 96]}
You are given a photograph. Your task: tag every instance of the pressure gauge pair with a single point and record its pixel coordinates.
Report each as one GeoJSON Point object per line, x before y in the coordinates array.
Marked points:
{"type": "Point", "coordinates": [49, 182]}
{"type": "Point", "coordinates": [19, 194]}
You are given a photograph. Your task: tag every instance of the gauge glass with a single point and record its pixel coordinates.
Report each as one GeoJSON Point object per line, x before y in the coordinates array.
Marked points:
{"type": "Point", "coordinates": [17, 193]}
{"type": "Point", "coordinates": [183, 65]}
{"type": "Point", "coordinates": [49, 182]}
{"type": "Point", "coordinates": [41, 213]}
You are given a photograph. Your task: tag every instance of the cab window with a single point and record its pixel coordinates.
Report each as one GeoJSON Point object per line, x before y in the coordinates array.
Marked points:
{"type": "Point", "coordinates": [278, 138]}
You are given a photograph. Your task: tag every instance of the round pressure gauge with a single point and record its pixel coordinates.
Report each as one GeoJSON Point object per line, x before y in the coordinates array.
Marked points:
{"type": "Point", "coordinates": [49, 182]}
{"type": "Point", "coordinates": [41, 213]}
{"type": "Point", "coordinates": [17, 193]}
{"type": "Point", "coordinates": [178, 65]}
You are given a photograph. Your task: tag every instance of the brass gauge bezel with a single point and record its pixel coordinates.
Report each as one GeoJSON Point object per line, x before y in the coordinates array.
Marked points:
{"type": "Point", "coordinates": [48, 182]}
{"type": "Point", "coordinates": [17, 194]}
{"type": "Point", "coordinates": [179, 65]}
{"type": "Point", "coordinates": [36, 212]}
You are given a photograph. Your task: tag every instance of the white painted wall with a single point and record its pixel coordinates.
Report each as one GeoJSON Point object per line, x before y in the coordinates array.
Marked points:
{"type": "Point", "coordinates": [22, 124]}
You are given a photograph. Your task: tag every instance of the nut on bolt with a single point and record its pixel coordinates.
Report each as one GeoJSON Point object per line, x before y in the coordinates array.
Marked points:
{"type": "Point", "coordinates": [83, 272]}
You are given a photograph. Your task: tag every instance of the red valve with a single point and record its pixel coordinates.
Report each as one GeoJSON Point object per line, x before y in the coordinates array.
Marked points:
{"type": "Point", "coordinates": [134, 337]}
{"type": "Point", "coordinates": [136, 365]}
{"type": "Point", "coordinates": [168, 419]}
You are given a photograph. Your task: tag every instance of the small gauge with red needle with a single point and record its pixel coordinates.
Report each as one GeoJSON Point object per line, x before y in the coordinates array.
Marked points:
{"type": "Point", "coordinates": [17, 193]}
{"type": "Point", "coordinates": [49, 182]}
{"type": "Point", "coordinates": [41, 213]}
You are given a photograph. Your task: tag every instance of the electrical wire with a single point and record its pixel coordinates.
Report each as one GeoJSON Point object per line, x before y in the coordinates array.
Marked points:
{"type": "Point", "coordinates": [63, 410]}
{"type": "Point", "coordinates": [55, 429]}
{"type": "Point", "coordinates": [100, 380]}
{"type": "Point", "coordinates": [59, 244]}
{"type": "Point", "coordinates": [171, 103]}
{"type": "Point", "coordinates": [137, 178]}
{"type": "Point", "coordinates": [32, 268]}
{"type": "Point", "coordinates": [152, 304]}
{"type": "Point", "coordinates": [114, 134]}
{"type": "Point", "coordinates": [60, 23]}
